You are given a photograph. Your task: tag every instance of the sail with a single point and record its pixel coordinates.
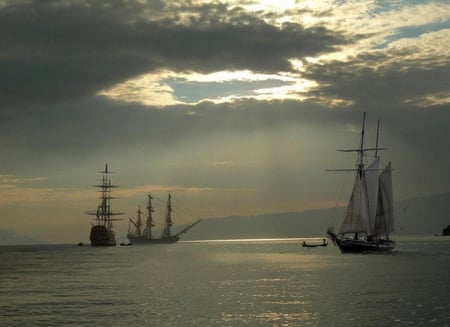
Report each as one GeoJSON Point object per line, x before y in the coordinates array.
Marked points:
{"type": "Point", "coordinates": [356, 216]}
{"type": "Point", "coordinates": [384, 223]}
{"type": "Point", "coordinates": [371, 179]}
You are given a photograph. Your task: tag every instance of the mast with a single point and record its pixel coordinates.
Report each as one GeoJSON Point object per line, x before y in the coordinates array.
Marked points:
{"type": "Point", "coordinates": [361, 164]}
{"type": "Point", "coordinates": [169, 221]}
{"type": "Point", "coordinates": [139, 222]}
{"type": "Point", "coordinates": [361, 151]}
{"type": "Point", "coordinates": [104, 213]}
{"type": "Point", "coordinates": [135, 227]}
{"type": "Point", "coordinates": [376, 144]}
{"type": "Point", "coordinates": [361, 211]}
{"type": "Point", "coordinates": [361, 148]}
{"type": "Point", "coordinates": [149, 223]}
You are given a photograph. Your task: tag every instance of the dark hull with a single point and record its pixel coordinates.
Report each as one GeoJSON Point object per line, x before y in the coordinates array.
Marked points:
{"type": "Point", "coordinates": [362, 246]}
{"type": "Point", "coordinates": [148, 240]}
{"type": "Point", "coordinates": [305, 245]}
{"type": "Point", "coordinates": [101, 236]}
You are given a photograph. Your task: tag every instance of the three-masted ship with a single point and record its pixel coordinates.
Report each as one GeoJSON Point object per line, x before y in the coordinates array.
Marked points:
{"type": "Point", "coordinates": [137, 233]}
{"type": "Point", "coordinates": [102, 233]}
{"type": "Point", "coordinates": [369, 219]}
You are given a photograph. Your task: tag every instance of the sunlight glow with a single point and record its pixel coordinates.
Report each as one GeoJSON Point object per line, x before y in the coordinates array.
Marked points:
{"type": "Point", "coordinates": [11, 181]}
{"type": "Point", "coordinates": [153, 89]}
{"type": "Point", "coordinates": [249, 240]}
{"type": "Point", "coordinates": [431, 100]}
{"type": "Point", "coordinates": [270, 5]}
{"type": "Point", "coordinates": [388, 34]}
{"type": "Point", "coordinates": [227, 76]}
{"type": "Point", "coordinates": [145, 89]}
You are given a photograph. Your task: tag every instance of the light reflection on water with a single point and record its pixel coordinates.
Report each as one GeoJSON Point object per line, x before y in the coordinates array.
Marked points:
{"type": "Point", "coordinates": [244, 283]}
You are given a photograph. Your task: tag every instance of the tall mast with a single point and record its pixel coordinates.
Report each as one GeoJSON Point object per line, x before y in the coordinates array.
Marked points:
{"type": "Point", "coordinates": [361, 147]}
{"type": "Point", "coordinates": [139, 222]}
{"type": "Point", "coordinates": [104, 213]}
{"type": "Point", "coordinates": [149, 223]}
{"type": "Point", "coordinates": [376, 144]}
{"type": "Point", "coordinates": [361, 156]}
{"type": "Point", "coordinates": [169, 222]}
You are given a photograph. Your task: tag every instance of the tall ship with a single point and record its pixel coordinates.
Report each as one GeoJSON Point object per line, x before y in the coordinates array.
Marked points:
{"type": "Point", "coordinates": [369, 219]}
{"type": "Point", "coordinates": [137, 233]}
{"type": "Point", "coordinates": [102, 233]}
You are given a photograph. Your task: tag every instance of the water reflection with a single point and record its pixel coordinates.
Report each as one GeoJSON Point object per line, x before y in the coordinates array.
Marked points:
{"type": "Point", "coordinates": [264, 283]}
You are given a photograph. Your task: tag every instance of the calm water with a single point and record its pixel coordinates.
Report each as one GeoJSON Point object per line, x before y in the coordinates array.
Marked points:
{"type": "Point", "coordinates": [272, 283]}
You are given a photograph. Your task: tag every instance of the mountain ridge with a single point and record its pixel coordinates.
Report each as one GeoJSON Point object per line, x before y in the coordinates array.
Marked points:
{"type": "Point", "coordinates": [10, 237]}
{"type": "Point", "coordinates": [415, 216]}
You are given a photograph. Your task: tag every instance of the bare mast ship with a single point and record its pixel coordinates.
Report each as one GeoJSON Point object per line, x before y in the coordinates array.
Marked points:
{"type": "Point", "coordinates": [102, 233]}
{"type": "Point", "coordinates": [369, 219]}
{"type": "Point", "coordinates": [138, 235]}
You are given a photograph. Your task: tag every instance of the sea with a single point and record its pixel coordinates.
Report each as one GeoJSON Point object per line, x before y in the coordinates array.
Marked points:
{"type": "Point", "coordinates": [263, 282]}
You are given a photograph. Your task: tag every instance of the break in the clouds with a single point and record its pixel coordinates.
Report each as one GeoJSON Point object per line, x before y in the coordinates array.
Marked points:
{"type": "Point", "coordinates": [372, 38]}
{"type": "Point", "coordinates": [58, 51]}
{"type": "Point", "coordinates": [153, 52]}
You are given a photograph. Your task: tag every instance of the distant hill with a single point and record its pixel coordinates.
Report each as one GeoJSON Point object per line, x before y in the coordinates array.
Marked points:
{"type": "Point", "coordinates": [425, 215]}
{"type": "Point", "coordinates": [278, 225]}
{"type": "Point", "coordinates": [9, 237]}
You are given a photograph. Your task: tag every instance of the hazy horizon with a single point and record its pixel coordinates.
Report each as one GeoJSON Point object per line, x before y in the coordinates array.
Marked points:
{"type": "Point", "coordinates": [310, 223]}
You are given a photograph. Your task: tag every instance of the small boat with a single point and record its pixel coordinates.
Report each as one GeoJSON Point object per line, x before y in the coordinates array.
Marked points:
{"type": "Point", "coordinates": [314, 245]}
{"type": "Point", "coordinates": [102, 233]}
{"type": "Point", "coordinates": [137, 235]}
{"type": "Point", "coordinates": [369, 219]}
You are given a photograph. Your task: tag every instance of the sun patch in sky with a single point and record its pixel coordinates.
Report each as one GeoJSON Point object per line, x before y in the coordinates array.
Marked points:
{"type": "Point", "coordinates": [145, 89]}
{"type": "Point", "coordinates": [170, 88]}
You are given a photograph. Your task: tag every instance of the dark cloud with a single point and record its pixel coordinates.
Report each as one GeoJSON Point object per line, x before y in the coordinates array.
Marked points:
{"type": "Point", "coordinates": [62, 50]}
{"type": "Point", "coordinates": [370, 84]}
{"type": "Point", "coordinates": [391, 90]}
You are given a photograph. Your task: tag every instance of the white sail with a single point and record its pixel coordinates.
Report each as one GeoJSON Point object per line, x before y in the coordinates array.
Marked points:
{"type": "Point", "coordinates": [371, 177]}
{"type": "Point", "coordinates": [370, 209]}
{"type": "Point", "coordinates": [384, 224]}
{"type": "Point", "coordinates": [356, 216]}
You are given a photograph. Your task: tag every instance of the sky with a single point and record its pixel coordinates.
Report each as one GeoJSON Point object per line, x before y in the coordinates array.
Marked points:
{"type": "Point", "coordinates": [235, 107]}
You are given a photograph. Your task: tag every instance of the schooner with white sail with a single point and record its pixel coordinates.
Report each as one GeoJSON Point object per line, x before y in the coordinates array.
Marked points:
{"type": "Point", "coordinates": [369, 219]}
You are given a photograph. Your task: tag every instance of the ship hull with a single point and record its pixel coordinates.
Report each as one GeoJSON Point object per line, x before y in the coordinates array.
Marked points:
{"type": "Point", "coordinates": [101, 236]}
{"type": "Point", "coordinates": [305, 245]}
{"type": "Point", "coordinates": [364, 246]}
{"type": "Point", "coordinates": [151, 240]}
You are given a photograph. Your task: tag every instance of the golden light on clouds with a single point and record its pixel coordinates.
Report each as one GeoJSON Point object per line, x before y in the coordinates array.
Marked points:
{"type": "Point", "coordinates": [430, 100]}
{"type": "Point", "coordinates": [431, 46]}
{"type": "Point", "coordinates": [145, 89]}
{"type": "Point", "coordinates": [154, 89]}
{"type": "Point", "coordinates": [270, 5]}
{"type": "Point", "coordinates": [11, 181]}
{"type": "Point", "coordinates": [41, 196]}
{"type": "Point", "coordinates": [385, 33]}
